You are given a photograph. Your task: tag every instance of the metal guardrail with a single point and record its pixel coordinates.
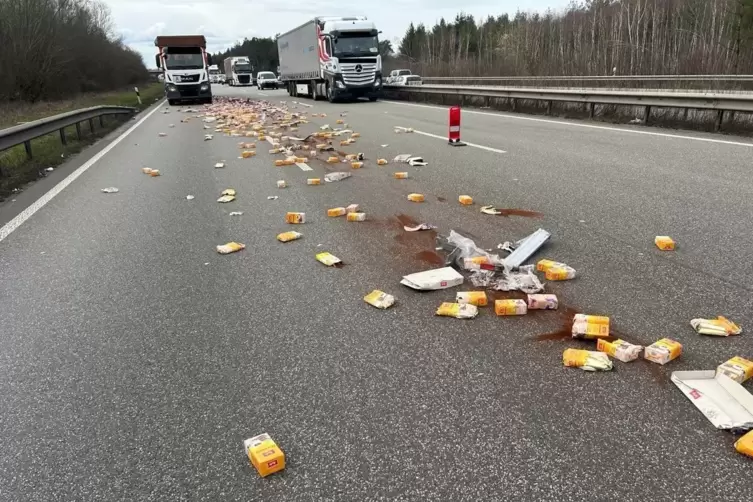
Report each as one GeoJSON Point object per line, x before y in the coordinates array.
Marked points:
{"type": "Point", "coordinates": [715, 101]}
{"type": "Point", "coordinates": [23, 134]}
{"type": "Point", "coordinates": [607, 78]}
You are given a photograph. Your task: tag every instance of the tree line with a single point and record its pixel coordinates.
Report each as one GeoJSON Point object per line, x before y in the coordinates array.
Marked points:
{"type": "Point", "coordinates": [261, 52]}
{"type": "Point", "coordinates": [591, 37]}
{"type": "Point", "coordinates": [51, 49]}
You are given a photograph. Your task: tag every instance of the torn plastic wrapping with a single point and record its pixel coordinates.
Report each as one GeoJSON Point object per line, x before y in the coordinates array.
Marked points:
{"type": "Point", "coordinates": [525, 281]}
{"type": "Point", "coordinates": [467, 248]}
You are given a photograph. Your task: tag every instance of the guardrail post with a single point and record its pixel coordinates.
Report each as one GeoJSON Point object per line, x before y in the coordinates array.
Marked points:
{"type": "Point", "coordinates": [513, 104]}
{"type": "Point", "coordinates": [78, 130]}
{"type": "Point", "coordinates": [548, 107]}
{"type": "Point", "coordinates": [101, 121]}
{"type": "Point", "coordinates": [591, 109]}
{"type": "Point", "coordinates": [646, 115]}
{"type": "Point", "coordinates": [63, 139]}
{"type": "Point", "coordinates": [720, 121]}
{"type": "Point", "coordinates": [91, 126]}
{"type": "Point", "coordinates": [27, 147]}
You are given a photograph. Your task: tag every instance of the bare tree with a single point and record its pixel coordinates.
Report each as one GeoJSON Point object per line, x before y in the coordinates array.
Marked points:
{"type": "Point", "coordinates": [57, 48]}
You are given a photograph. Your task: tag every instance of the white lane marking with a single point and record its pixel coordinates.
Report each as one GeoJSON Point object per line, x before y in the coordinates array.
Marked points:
{"type": "Point", "coordinates": [27, 213]}
{"type": "Point", "coordinates": [474, 145]}
{"type": "Point", "coordinates": [304, 166]}
{"type": "Point", "coordinates": [588, 126]}
{"type": "Point", "coordinates": [262, 93]}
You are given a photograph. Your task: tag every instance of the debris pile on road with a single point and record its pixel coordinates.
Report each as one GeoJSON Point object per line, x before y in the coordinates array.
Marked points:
{"type": "Point", "coordinates": [506, 277]}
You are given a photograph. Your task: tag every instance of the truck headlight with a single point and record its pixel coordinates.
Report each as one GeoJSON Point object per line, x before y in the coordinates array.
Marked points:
{"type": "Point", "coordinates": [339, 84]}
{"type": "Point", "coordinates": [377, 81]}
{"type": "Point", "coordinates": [172, 88]}
{"type": "Point", "coordinates": [204, 87]}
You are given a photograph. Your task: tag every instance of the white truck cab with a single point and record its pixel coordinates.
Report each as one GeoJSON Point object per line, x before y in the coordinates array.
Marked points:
{"type": "Point", "coordinates": [214, 74]}
{"type": "Point", "coordinates": [185, 64]}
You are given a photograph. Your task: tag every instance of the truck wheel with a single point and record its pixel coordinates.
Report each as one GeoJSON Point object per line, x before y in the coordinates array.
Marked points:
{"type": "Point", "coordinates": [314, 94]}
{"type": "Point", "coordinates": [373, 98]}
{"type": "Point", "coordinates": [208, 101]}
{"type": "Point", "coordinates": [171, 102]}
{"type": "Point", "coordinates": [330, 95]}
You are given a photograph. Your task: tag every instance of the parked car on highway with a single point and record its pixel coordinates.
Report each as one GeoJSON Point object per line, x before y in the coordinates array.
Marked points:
{"type": "Point", "coordinates": [408, 80]}
{"type": "Point", "coordinates": [394, 74]}
{"type": "Point", "coordinates": [267, 80]}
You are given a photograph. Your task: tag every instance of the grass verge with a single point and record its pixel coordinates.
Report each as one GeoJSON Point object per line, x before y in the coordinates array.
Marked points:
{"type": "Point", "coordinates": [48, 151]}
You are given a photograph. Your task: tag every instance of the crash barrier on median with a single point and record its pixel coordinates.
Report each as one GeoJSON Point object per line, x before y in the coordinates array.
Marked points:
{"type": "Point", "coordinates": [24, 133]}
{"type": "Point", "coordinates": [716, 101]}
{"type": "Point", "coordinates": [706, 82]}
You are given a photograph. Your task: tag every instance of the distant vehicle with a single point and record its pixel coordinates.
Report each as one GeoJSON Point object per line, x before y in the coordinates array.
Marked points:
{"type": "Point", "coordinates": [267, 80]}
{"type": "Point", "coordinates": [333, 58]}
{"type": "Point", "coordinates": [407, 80]}
{"type": "Point", "coordinates": [185, 63]}
{"type": "Point", "coordinates": [214, 74]}
{"type": "Point", "coordinates": [222, 79]}
{"type": "Point", "coordinates": [397, 73]}
{"type": "Point", "coordinates": [238, 71]}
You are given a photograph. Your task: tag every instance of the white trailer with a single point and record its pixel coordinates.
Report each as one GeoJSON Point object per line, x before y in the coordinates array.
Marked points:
{"type": "Point", "coordinates": [332, 57]}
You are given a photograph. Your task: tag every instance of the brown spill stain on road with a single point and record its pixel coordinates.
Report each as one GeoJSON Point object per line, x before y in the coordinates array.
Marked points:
{"type": "Point", "coordinates": [520, 212]}
{"type": "Point", "coordinates": [404, 219]}
{"type": "Point", "coordinates": [431, 257]}
{"type": "Point", "coordinates": [441, 199]}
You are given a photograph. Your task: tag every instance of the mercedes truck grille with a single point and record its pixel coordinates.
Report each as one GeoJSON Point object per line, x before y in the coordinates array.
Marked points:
{"type": "Point", "coordinates": [358, 74]}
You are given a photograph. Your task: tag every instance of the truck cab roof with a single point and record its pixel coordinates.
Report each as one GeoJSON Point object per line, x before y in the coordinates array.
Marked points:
{"type": "Point", "coordinates": [181, 41]}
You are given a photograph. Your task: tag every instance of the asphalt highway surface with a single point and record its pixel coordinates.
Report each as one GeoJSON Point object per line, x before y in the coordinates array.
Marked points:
{"type": "Point", "coordinates": [134, 359]}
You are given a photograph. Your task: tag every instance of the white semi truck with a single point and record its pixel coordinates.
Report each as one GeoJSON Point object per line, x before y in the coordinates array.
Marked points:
{"type": "Point", "coordinates": [185, 63]}
{"type": "Point", "coordinates": [238, 71]}
{"type": "Point", "coordinates": [332, 57]}
{"type": "Point", "coordinates": [214, 74]}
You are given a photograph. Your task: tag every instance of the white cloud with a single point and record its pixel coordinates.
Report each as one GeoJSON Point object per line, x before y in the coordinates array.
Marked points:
{"type": "Point", "coordinates": [225, 22]}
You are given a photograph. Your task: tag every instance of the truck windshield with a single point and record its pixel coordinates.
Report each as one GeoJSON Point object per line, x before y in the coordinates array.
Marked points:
{"type": "Point", "coordinates": [243, 68]}
{"type": "Point", "coordinates": [267, 75]}
{"type": "Point", "coordinates": [356, 44]}
{"type": "Point", "coordinates": [184, 60]}
{"type": "Point", "coordinates": [214, 72]}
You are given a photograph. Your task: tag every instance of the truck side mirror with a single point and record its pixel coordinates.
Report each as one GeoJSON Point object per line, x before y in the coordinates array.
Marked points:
{"type": "Point", "coordinates": [157, 61]}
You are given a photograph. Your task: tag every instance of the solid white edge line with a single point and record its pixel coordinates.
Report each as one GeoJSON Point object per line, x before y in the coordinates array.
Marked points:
{"type": "Point", "coordinates": [27, 213]}
{"type": "Point", "coordinates": [574, 124]}
{"type": "Point", "coordinates": [474, 145]}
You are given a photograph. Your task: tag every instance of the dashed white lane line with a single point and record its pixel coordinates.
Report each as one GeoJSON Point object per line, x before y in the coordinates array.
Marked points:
{"type": "Point", "coordinates": [27, 213]}
{"type": "Point", "coordinates": [474, 145]}
{"type": "Point", "coordinates": [575, 124]}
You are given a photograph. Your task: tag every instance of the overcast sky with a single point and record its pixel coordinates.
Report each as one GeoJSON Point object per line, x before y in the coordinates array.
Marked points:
{"type": "Point", "coordinates": [224, 22]}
